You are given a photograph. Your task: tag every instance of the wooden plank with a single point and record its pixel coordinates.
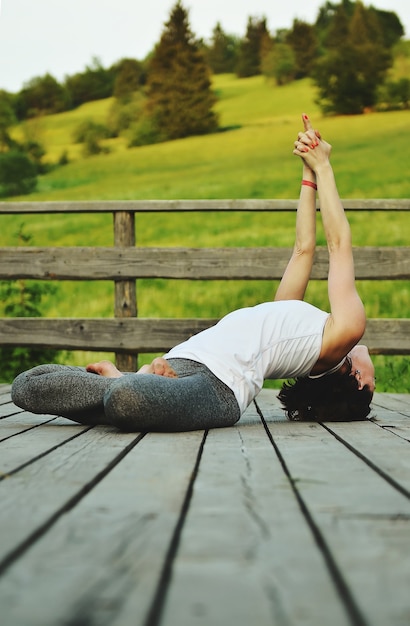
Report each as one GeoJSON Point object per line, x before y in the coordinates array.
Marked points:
{"type": "Point", "coordinates": [106, 553]}
{"type": "Point", "coordinates": [143, 206]}
{"type": "Point", "coordinates": [5, 406]}
{"type": "Point", "coordinates": [393, 422]}
{"type": "Point", "coordinates": [126, 335]}
{"type": "Point", "coordinates": [246, 555]}
{"type": "Point", "coordinates": [268, 404]}
{"type": "Point", "coordinates": [360, 520]}
{"type": "Point", "coordinates": [128, 263]}
{"type": "Point", "coordinates": [383, 336]}
{"type": "Point", "coordinates": [395, 402]}
{"type": "Point", "coordinates": [101, 561]}
{"type": "Point", "coordinates": [393, 413]}
{"type": "Point", "coordinates": [33, 442]}
{"type": "Point", "coordinates": [401, 399]}
{"type": "Point", "coordinates": [387, 336]}
{"type": "Point", "coordinates": [380, 449]}
{"type": "Point", "coordinates": [43, 490]}
{"type": "Point", "coordinates": [20, 421]}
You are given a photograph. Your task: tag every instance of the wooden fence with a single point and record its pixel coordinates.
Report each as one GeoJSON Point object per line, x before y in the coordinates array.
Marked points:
{"type": "Point", "coordinates": [125, 334]}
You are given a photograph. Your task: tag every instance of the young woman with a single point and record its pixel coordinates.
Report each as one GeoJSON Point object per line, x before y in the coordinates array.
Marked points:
{"type": "Point", "coordinates": [209, 380]}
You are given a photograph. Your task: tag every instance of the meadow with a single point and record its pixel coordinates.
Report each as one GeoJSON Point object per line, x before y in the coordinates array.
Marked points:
{"type": "Point", "coordinates": [250, 158]}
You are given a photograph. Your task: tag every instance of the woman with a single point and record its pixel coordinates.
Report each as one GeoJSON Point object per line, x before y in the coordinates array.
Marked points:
{"type": "Point", "coordinates": [209, 380]}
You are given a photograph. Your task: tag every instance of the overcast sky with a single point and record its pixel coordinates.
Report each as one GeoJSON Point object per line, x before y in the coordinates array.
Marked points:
{"type": "Point", "coordinates": [62, 36]}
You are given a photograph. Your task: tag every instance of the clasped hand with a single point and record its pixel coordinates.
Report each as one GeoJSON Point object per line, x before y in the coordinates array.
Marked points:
{"type": "Point", "coordinates": [310, 146]}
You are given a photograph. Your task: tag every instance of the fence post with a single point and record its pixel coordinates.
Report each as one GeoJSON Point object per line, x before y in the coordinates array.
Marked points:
{"type": "Point", "coordinates": [125, 290]}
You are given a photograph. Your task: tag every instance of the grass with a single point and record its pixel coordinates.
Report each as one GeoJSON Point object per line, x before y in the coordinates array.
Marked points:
{"type": "Point", "coordinates": [251, 160]}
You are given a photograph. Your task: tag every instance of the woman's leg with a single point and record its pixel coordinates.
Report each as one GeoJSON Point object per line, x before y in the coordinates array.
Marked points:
{"type": "Point", "coordinates": [195, 400]}
{"type": "Point", "coordinates": [62, 390]}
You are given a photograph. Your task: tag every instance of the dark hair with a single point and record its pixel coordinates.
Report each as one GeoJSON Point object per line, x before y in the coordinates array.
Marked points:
{"type": "Point", "coordinates": [335, 397]}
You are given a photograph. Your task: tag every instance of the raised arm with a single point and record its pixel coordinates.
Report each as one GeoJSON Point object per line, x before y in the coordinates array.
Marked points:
{"type": "Point", "coordinates": [347, 320]}
{"type": "Point", "coordinates": [296, 276]}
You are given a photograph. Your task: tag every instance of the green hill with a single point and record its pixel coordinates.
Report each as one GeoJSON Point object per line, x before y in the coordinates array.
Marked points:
{"type": "Point", "coordinates": [253, 159]}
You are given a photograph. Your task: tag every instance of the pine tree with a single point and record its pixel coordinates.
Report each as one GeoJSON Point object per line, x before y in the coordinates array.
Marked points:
{"type": "Point", "coordinates": [223, 52]}
{"type": "Point", "coordinates": [355, 63]}
{"type": "Point", "coordinates": [304, 43]}
{"type": "Point", "coordinates": [179, 96]}
{"type": "Point", "coordinates": [129, 78]}
{"type": "Point", "coordinates": [256, 44]}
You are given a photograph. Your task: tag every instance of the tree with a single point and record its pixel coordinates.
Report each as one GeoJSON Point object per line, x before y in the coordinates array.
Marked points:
{"type": "Point", "coordinates": [179, 96]}
{"type": "Point", "coordinates": [7, 119]}
{"type": "Point", "coordinates": [355, 63]}
{"type": "Point", "coordinates": [303, 41]}
{"type": "Point", "coordinates": [130, 77]}
{"type": "Point", "coordinates": [280, 64]}
{"type": "Point", "coordinates": [390, 26]}
{"type": "Point", "coordinates": [42, 94]}
{"type": "Point", "coordinates": [256, 44]}
{"type": "Point", "coordinates": [327, 19]}
{"type": "Point", "coordinates": [95, 83]}
{"type": "Point", "coordinates": [17, 176]}
{"type": "Point", "coordinates": [223, 51]}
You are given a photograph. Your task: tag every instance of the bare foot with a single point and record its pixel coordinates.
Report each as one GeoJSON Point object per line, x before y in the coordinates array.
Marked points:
{"type": "Point", "coordinates": [160, 367]}
{"type": "Point", "coordinates": [104, 368]}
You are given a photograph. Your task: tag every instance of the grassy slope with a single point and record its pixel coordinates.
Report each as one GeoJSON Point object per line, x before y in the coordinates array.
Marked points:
{"type": "Point", "coordinates": [253, 159]}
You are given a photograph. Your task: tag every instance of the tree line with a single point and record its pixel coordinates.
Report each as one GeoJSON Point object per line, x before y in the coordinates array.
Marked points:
{"type": "Point", "coordinates": [347, 53]}
{"type": "Point", "coordinates": [348, 33]}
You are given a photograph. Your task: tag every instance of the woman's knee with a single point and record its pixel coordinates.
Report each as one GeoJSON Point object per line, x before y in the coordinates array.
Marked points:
{"type": "Point", "coordinates": [142, 402]}
{"type": "Point", "coordinates": [23, 383]}
{"type": "Point", "coordinates": [31, 380]}
{"type": "Point", "coordinates": [122, 404]}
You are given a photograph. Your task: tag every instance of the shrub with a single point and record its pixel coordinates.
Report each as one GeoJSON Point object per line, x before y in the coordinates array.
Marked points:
{"type": "Point", "coordinates": [146, 131]}
{"type": "Point", "coordinates": [22, 298]}
{"type": "Point", "coordinates": [18, 174]}
{"type": "Point", "coordinates": [91, 134]}
{"type": "Point", "coordinates": [394, 95]}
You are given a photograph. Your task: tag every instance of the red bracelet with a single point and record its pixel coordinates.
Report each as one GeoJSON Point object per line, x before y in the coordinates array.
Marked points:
{"type": "Point", "coordinates": [309, 183]}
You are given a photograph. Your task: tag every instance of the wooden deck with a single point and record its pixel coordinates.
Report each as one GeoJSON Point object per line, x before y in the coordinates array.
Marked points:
{"type": "Point", "coordinates": [266, 523]}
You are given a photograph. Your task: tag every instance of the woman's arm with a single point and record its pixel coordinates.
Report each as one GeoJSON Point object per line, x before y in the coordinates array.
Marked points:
{"type": "Point", "coordinates": [347, 320]}
{"type": "Point", "coordinates": [296, 276]}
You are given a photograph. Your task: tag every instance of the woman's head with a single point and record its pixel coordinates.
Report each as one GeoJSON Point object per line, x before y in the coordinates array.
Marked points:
{"type": "Point", "coordinates": [335, 397]}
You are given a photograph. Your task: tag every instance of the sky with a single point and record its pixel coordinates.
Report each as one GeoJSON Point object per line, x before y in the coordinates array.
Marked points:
{"type": "Point", "coordinates": [61, 37]}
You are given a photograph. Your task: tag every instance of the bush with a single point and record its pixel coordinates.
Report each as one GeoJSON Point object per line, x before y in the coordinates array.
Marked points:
{"type": "Point", "coordinates": [394, 95]}
{"type": "Point", "coordinates": [22, 298]}
{"type": "Point", "coordinates": [64, 159]}
{"type": "Point", "coordinates": [18, 174]}
{"type": "Point", "coordinates": [145, 132]}
{"type": "Point", "coordinates": [124, 113]}
{"type": "Point", "coordinates": [91, 134]}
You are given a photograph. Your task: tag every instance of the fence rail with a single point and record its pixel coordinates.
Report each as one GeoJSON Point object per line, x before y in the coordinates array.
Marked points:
{"type": "Point", "coordinates": [100, 263]}
{"type": "Point", "coordinates": [125, 334]}
{"type": "Point", "coordinates": [181, 206]}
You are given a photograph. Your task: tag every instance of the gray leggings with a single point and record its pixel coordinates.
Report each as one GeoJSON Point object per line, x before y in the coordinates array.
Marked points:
{"type": "Point", "coordinates": [135, 402]}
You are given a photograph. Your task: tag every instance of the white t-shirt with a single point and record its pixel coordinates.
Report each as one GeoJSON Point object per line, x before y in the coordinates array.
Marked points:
{"type": "Point", "coordinates": [271, 340]}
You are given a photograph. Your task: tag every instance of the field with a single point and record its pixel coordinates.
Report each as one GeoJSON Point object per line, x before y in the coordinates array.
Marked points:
{"type": "Point", "coordinates": [251, 158]}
